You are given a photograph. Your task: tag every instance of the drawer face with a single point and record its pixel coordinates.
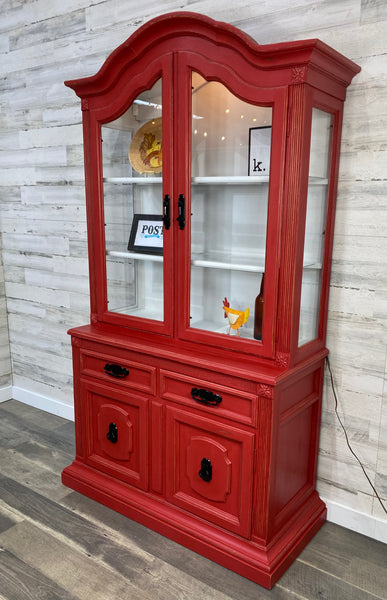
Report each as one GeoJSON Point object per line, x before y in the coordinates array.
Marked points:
{"type": "Point", "coordinates": [236, 405]}
{"type": "Point", "coordinates": [209, 469]}
{"type": "Point", "coordinates": [116, 433]}
{"type": "Point", "coordinates": [124, 372]}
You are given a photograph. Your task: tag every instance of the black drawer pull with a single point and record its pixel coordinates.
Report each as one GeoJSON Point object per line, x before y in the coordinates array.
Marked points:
{"type": "Point", "coordinates": [112, 434]}
{"type": "Point", "coordinates": [205, 469]}
{"type": "Point", "coordinates": [206, 397]}
{"type": "Point", "coordinates": [116, 371]}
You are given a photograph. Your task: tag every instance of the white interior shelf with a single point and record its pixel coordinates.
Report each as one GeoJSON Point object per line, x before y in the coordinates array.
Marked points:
{"type": "Point", "coordinates": [205, 263]}
{"type": "Point", "coordinates": [210, 264]}
{"type": "Point", "coordinates": [135, 255]}
{"type": "Point", "coordinates": [231, 180]}
{"type": "Point", "coordinates": [136, 180]}
{"type": "Point", "coordinates": [215, 264]}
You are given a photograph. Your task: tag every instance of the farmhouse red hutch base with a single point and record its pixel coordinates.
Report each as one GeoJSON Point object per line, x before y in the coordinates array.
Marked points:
{"type": "Point", "coordinates": [260, 508]}
{"type": "Point", "coordinates": [211, 167]}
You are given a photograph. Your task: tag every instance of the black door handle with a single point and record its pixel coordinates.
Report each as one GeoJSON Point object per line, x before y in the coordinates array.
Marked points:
{"type": "Point", "coordinates": [181, 211]}
{"type": "Point", "coordinates": [167, 211]}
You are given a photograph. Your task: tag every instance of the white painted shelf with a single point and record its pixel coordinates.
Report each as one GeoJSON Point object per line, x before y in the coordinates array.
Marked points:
{"type": "Point", "coordinates": [209, 264]}
{"type": "Point", "coordinates": [136, 180]}
{"type": "Point", "coordinates": [244, 332]}
{"type": "Point", "coordinates": [232, 180]}
{"type": "Point", "coordinates": [216, 264]}
{"type": "Point", "coordinates": [136, 255]}
{"type": "Point", "coordinates": [205, 263]}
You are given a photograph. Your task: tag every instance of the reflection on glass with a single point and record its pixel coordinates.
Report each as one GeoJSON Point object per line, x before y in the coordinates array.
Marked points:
{"type": "Point", "coordinates": [132, 170]}
{"type": "Point", "coordinates": [229, 197]}
{"type": "Point", "coordinates": [320, 153]}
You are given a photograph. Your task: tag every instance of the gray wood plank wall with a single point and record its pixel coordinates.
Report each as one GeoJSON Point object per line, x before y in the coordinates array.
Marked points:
{"type": "Point", "coordinates": [42, 207]}
{"type": "Point", "coordinates": [5, 354]}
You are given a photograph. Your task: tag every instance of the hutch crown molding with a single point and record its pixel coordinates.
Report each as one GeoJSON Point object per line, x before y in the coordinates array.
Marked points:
{"type": "Point", "coordinates": [210, 162]}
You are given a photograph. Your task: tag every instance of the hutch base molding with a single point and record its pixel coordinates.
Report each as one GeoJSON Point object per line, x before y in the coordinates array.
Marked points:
{"type": "Point", "coordinates": [211, 167]}
{"type": "Point", "coordinates": [262, 564]}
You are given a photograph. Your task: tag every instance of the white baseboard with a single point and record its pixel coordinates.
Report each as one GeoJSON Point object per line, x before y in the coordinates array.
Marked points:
{"type": "Point", "coordinates": [356, 521]}
{"type": "Point", "coordinates": [50, 405]}
{"type": "Point", "coordinates": [6, 393]}
{"type": "Point", "coordinates": [337, 513]}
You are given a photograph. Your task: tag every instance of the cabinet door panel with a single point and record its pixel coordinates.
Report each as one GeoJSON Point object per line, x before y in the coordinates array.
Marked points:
{"type": "Point", "coordinates": [216, 470]}
{"type": "Point", "coordinates": [209, 469]}
{"type": "Point", "coordinates": [116, 433]}
{"type": "Point", "coordinates": [235, 152]}
{"type": "Point", "coordinates": [133, 193]}
{"type": "Point", "coordinates": [229, 206]}
{"type": "Point", "coordinates": [128, 180]}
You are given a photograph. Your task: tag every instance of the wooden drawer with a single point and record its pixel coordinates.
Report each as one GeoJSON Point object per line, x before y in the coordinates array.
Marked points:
{"type": "Point", "coordinates": [210, 469]}
{"type": "Point", "coordinates": [124, 372]}
{"type": "Point", "coordinates": [230, 403]}
{"type": "Point", "coordinates": [116, 432]}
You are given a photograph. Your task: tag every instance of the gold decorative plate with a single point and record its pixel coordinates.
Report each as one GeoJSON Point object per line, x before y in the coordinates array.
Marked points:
{"type": "Point", "coordinates": [145, 152]}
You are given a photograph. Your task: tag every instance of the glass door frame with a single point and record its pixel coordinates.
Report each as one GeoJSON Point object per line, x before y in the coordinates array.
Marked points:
{"type": "Point", "coordinates": [212, 70]}
{"type": "Point", "coordinates": [326, 103]}
{"type": "Point", "coordinates": [99, 111]}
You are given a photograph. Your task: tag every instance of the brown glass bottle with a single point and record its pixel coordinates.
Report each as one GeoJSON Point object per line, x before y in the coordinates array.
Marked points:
{"type": "Point", "coordinates": [258, 312]}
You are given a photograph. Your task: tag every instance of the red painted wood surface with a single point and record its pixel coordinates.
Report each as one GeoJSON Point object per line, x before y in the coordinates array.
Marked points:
{"type": "Point", "coordinates": [226, 498]}
{"type": "Point", "coordinates": [259, 507]}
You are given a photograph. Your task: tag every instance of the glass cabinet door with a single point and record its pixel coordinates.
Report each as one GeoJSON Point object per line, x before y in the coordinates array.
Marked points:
{"type": "Point", "coordinates": [230, 167]}
{"type": "Point", "coordinates": [133, 197]}
{"type": "Point", "coordinates": [316, 214]}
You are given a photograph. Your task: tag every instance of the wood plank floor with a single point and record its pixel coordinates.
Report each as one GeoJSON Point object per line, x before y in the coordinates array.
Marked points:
{"type": "Point", "coordinates": [58, 544]}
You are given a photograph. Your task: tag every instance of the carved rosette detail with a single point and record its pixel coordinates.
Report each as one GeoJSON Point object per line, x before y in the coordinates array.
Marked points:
{"type": "Point", "coordinates": [94, 318]}
{"type": "Point", "coordinates": [282, 359]}
{"type": "Point", "coordinates": [76, 342]}
{"type": "Point", "coordinates": [85, 104]}
{"type": "Point", "coordinates": [265, 390]}
{"type": "Point", "coordinates": [298, 75]}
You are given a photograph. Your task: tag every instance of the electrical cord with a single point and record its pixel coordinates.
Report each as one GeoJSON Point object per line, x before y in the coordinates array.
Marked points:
{"type": "Point", "coordinates": [347, 439]}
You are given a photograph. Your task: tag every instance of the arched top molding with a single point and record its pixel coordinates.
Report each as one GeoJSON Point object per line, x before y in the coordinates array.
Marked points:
{"type": "Point", "coordinates": [176, 30]}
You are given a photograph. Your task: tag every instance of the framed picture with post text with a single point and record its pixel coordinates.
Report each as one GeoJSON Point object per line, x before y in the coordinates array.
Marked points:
{"type": "Point", "coordinates": [146, 234]}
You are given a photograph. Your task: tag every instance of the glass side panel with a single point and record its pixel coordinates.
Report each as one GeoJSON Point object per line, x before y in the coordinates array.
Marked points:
{"type": "Point", "coordinates": [316, 212]}
{"type": "Point", "coordinates": [231, 142]}
{"type": "Point", "coordinates": [132, 171]}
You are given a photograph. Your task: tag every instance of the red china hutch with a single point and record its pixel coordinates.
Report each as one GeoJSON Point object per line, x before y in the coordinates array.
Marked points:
{"type": "Point", "coordinates": [210, 161]}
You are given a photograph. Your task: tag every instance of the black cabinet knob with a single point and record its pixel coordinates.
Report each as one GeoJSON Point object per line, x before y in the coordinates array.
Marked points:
{"type": "Point", "coordinates": [205, 470]}
{"type": "Point", "coordinates": [112, 434]}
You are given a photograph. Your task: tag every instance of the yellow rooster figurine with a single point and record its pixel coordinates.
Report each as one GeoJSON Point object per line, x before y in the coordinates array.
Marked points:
{"type": "Point", "coordinates": [236, 318]}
